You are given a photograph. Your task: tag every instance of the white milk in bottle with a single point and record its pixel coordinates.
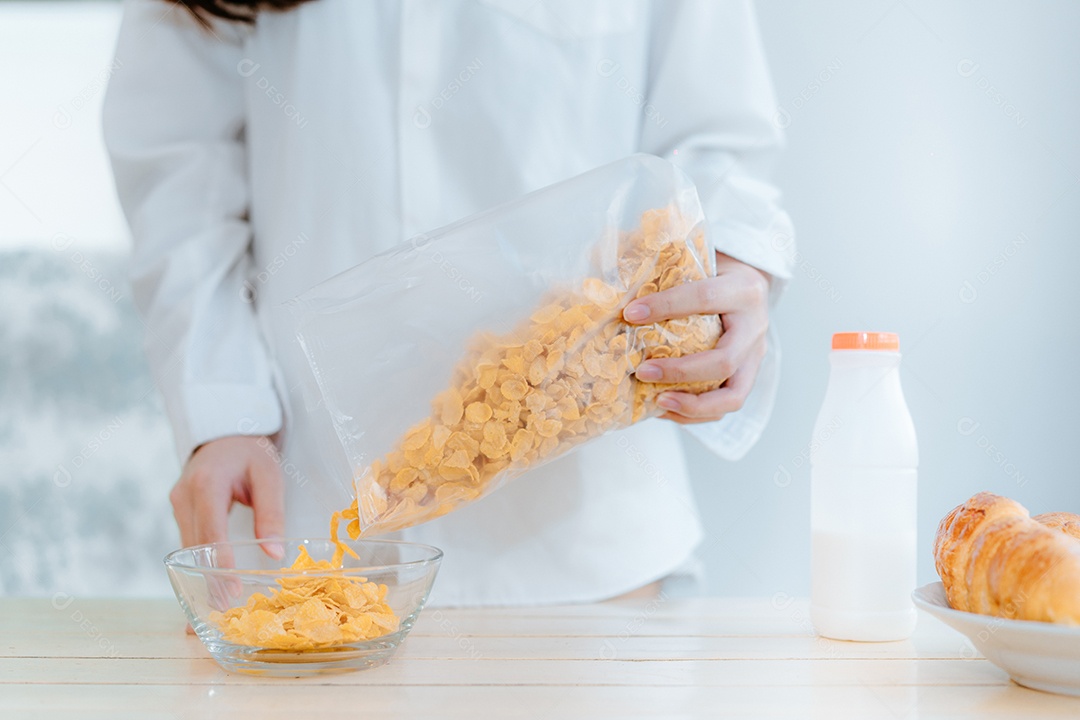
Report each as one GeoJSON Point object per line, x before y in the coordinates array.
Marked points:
{"type": "Point", "coordinates": [863, 479]}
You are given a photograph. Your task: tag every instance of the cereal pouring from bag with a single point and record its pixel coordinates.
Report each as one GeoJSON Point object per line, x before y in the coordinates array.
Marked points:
{"type": "Point", "coordinates": [466, 356]}
{"type": "Point", "coordinates": [563, 376]}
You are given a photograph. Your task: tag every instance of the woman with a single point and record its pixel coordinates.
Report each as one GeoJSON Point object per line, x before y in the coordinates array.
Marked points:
{"type": "Point", "coordinates": [257, 156]}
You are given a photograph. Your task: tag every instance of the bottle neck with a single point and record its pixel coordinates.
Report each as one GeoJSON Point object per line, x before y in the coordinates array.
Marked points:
{"type": "Point", "coordinates": [864, 358]}
{"type": "Point", "coordinates": [862, 370]}
{"type": "Point", "coordinates": [863, 378]}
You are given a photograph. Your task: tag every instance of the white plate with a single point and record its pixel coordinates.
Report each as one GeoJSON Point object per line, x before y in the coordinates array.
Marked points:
{"type": "Point", "coordinates": [1038, 655]}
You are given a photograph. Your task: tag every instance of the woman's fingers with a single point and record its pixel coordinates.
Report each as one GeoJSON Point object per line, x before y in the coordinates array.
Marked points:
{"type": "Point", "coordinates": [268, 504]}
{"type": "Point", "coordinates": [688, 408]}
{"type": "Point", "coordinates": [739, 295]}
{"type": "Point", "coordinates": [712, 296]}
{"type": "Point", "coordinates": [736, 345]}
{"type": "Point", "coordinates": [180, 498]}
{"type": "Point", "coordinates": [209, 502]}
{"type": "Point", "coordinates": [231, 469]}
{"type": "Point", "coordinates": [212, 497]}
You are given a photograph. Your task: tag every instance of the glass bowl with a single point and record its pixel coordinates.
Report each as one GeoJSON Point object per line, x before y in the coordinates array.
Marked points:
{"type": "Point", "coordinates": [211, 579]}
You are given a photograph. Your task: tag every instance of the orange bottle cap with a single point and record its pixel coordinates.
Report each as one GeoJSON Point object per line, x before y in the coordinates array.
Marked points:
{"type": "Point", "coordinates": [866, 341]}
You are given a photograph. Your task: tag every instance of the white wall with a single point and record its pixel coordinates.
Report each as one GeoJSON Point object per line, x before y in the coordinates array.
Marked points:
{"type": "Point", "coordinates": [86, 459]}
{"type": "Point", "coordinates": [933, 174]}
{"type": "Point", "coordinates": [56, 59]}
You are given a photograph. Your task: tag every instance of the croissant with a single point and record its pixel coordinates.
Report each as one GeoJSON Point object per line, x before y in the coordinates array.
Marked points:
{"type": "Point", "coordinates": [995, 559]}
{"type": "Point", "coordinates": [1068, 523]}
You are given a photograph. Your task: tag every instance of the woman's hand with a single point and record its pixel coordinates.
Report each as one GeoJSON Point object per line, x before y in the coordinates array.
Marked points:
{"type": "Point", "coordinates": [240, 469]}
{"type": "Point", "coordinates": [739, 294]}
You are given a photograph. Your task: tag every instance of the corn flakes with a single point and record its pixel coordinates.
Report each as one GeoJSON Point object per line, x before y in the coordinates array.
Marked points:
{"type": "Point", "coordinates": [310, 613]}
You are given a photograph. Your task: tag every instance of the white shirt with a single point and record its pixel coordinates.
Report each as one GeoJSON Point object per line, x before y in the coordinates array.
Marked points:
{"type": "Point", "coordinates": [254, 162]}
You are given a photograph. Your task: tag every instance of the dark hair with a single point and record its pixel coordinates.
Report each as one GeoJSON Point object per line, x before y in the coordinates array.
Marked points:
{"type": "Point", "coordinates": [243, 11]}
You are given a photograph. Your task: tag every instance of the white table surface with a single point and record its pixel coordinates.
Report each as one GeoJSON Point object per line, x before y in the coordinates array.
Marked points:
{"type": "Point", "coordinates": [715, 657]}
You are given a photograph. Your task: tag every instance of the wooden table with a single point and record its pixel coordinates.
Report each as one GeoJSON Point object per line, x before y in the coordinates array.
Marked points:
{"type": "Point", "coordinates": [82, 658]}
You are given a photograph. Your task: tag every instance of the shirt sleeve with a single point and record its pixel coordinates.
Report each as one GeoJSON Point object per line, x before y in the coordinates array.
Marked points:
{"type": "Point", "coordinates": [710, 108]}
{"type": "Point", "coordinates": [174, 130]}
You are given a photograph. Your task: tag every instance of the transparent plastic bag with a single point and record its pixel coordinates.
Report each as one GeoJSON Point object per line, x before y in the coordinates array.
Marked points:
{"type": "Point", "coordinates": [468, 355]}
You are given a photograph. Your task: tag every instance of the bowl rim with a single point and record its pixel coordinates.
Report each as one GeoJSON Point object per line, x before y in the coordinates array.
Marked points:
{"type": "Point", "coordinates": [922, 598]}
{"type": "Point", "coordinates": [172, 561]}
